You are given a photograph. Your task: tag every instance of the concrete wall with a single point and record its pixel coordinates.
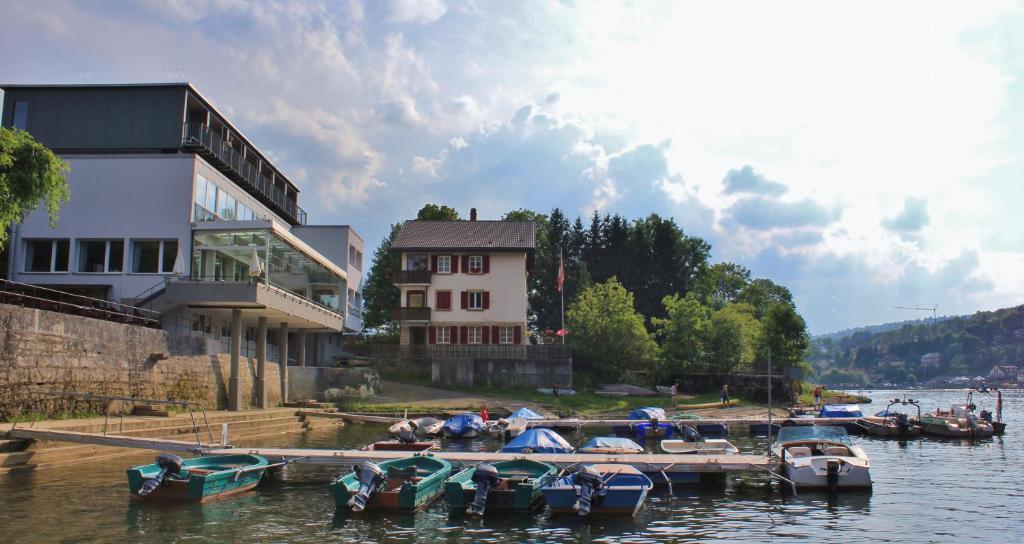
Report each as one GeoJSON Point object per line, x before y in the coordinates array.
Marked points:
{"type": "Point", "coordinates": [328, 384]}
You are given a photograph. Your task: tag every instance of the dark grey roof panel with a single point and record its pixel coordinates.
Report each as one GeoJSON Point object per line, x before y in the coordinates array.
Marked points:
{"type": "Point", "coordinates": [457, 235]}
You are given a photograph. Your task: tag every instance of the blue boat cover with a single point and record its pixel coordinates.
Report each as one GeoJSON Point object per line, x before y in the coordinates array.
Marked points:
{"type": "Point", "coordinates": [611, 442]}
{"type": "Point", "coordinates": [525, 413]}
{"type": "Point", "coordinates": [538, 441]}
{"type": "Point", "coordinates": [459, 424]}
{"type": "Point", "coordinates": [841, 410]}
{"type": "Point", "coordinates": [649, 412]}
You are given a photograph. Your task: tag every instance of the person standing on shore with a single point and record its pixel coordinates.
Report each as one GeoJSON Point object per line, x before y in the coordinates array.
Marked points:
{"type": "Point", "coordinates": [725, 394]}
{"type": "Point", "coordinates": [674, 392]}
{"type": "Point", "coordinates": [817, 395]}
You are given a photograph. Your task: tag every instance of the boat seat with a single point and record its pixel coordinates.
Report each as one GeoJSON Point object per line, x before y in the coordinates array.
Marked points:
{"type": "Point", "coordinates": [839, 451]}
{"type": "Point", "coordinates": [799, 451]}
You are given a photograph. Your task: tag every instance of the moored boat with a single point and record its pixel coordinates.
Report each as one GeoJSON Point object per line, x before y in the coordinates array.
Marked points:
{"type": "Point", "coordinates": [398, 445]}
{"type": "Point", "coordinates": [843, 411]}
{"type": "Point", "coordinates": [611, 445]}
{"type": "Point", "coordinates": [955, 424]}
{"type": "Point", "coordinates": [503, 485]}
{"type": "Point", "coordinates": [538, 441]}
{"type": "Point", "coordinates": [423, 426]}
{"type": "Point", "coordinates": [409, 483]}
{"type": "Point", "coordinates": [197, 479]}
{"type": "Point", "coordinates": [463, 425]}
{"type": "Point", "coordinates": [599, 489]}
{"type": "Point", "coordinates": [648, 422]}
{"type": "Point", "coordinates": [820, 457]}
{"type": "Point", "coordinates": [711, 446]}
{"type": "Point", "coordinates": [894, 425]}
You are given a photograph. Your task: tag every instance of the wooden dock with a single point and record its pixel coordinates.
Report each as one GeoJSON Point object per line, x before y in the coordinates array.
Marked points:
{"type": "Point", "coordinates": [573, 423]}
{"type": "Point", "coordinates": [96, 439]}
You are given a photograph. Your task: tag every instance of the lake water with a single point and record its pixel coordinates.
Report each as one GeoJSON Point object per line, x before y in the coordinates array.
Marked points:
{"type": "Point", "coordinates": [926, 490]}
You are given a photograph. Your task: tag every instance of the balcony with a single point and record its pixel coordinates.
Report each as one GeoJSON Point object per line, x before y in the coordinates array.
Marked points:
{"type": "Point", "coordinates": [211, 146]}
{"type": "Point", "coordinates": [411, 276]}
{"type": "Point", "coordinates": [411, 314]}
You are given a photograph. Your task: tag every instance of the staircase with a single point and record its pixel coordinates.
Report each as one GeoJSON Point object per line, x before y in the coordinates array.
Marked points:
{"type": "Point", "coordinates": [242, 427]}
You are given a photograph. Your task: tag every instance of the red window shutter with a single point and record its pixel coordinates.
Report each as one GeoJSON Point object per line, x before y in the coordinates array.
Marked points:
{"type": "Point", "coordinates": [465, 264]}
{"type": "Point", "coordinates": [455, 263]}
{"type": "Point", "coordinates": [432, 334]}
{"type": "Point", "coordinates": [433, 263]}
{"type": "Point", "coordinates": [463, 334]}
{"type": "Point", "coordinates": [487, 264]}
{"type": "Point", "coordinates": [465, 299]}
{"type": "Point", "coordinates": [517, 335]}
{"type": "Point", "coordinates": [495, 334]}
{"type": "Point", "coordinates": [443, 300]}
{"type": "Point", "coordinates": [486, 333]}
{"type": "Point", "coordinates": [453, 334]}
{"type": "Point", "coordinates": [487, 299]}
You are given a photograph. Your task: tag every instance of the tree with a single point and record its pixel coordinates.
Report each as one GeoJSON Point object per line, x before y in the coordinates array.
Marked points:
{"type": "Point", "coordinates": [30, 175]}
{"type": "Point", "coordinates": [762, 294]}
{"type": "Point", "coordinates": [683, 334]}
{"type": "Point", "coordinates": [732, 338]}
{"type": "Point", "coordinates": [433, 212]}
{"type": "Point", "coordinates": [607, 335]}
{"type": "Point", "coordinates": [785, 332]}
{"type": "Point", "coordinates": [380, 296]}
{"type": "Point", "coordinates": [722, 283]}
{"type": "Point", "coordinates": [545, 300]}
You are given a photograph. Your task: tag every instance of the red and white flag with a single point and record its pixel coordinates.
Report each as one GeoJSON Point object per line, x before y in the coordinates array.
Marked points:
{"type": "Point", "coordinates": [561, 274]}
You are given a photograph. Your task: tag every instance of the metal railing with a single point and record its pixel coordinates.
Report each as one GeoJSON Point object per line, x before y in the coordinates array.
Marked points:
{"type": "Point", "coordinates": [194, 278]}
{"type": "Point", "coordinates": [411, 314]}
{"type": "Point", "coordinates": [198, 135]}
{"type": "Point", "coordinates": [410, 276]}
{"type": "Point", "coordinates": [462, 351]}
{"type": "Point", "coordinates": [44, 298]}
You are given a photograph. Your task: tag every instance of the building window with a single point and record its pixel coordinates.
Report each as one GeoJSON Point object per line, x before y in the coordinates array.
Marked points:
{"type": "Point", "coordinates": [444, 264]}
{"type": "Point", "coordinates": [355, 257]}
{"type": "Point", "coordinates": [444, 335]}
{"type": "Point", "coordinates": [99, 256]}
{"type": "Point", "coordinates": [475, 335]}
{"type": "Point", "coordinates": [505, 335]}
{"type": "Point", "coordinates": [415, 299]}
{"type": "Point", "coordinates": [20, 114]}
{"type": "Point", "coordinates": [476, 264]}
{"type": "Point", "coordinates": [154, 256]}
{"type": "Point", "coordinates": [443, 300]}
{"type": "Point", "coordinates": [416, 261]}
{"type": "Point", "coordinates": [476, 300]}
{"type": "Point", "coordinates": [47, 255]}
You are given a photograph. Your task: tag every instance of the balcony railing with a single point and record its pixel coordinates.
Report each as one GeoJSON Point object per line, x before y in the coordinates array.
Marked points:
{"type": "Point", "coordinates": [210, 144]}
{"type": "Point", "coordinates": [462, 351]}
{"type": "Point", "coordinates": [410, 276]}
{"type": "Point", "coordinates": [411, 314]}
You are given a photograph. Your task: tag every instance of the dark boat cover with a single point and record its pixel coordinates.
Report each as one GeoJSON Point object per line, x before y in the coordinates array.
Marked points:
{"type": "Point", "coordinates": [648, 413]}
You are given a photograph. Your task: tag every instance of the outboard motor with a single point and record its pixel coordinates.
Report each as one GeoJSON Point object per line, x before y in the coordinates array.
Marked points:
{"type": "Point", "coordinates": [371, 480]}
{"type": "Point", "coordinates": [690, 434]}
{"type": "Point", "coordinates": [591, 488]}
{"type": "Point", "coordinates": [986, 416]}
{"type": "Point", "coordinates": [486, 478]}
{"type": "Point", "coordinates": [408, 434]}
{"type": "Point", "coordinates": [169, 464]}
{"type": "Point", "coordinates": [902, 422]}
{"type": "Point", "coordinates": [832, 474]}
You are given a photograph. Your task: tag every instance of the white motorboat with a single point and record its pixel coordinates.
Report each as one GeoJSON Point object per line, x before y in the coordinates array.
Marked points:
{"type": "Point", "coordinates": [709, 446]}
{"type": "Point", "coordinates": [819, 457]}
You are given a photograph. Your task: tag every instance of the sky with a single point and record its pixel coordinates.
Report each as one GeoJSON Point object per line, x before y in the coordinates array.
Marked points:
{"type": "Point", "coordinates": [866, 155]}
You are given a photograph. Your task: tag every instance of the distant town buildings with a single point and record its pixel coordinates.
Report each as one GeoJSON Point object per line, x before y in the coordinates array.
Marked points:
{"type": "Point", "coordinates": [931, 359]}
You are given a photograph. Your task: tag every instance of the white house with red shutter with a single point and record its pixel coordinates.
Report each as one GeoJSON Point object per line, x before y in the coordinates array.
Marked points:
{"type": "Point", "coordinates": [463, 282]}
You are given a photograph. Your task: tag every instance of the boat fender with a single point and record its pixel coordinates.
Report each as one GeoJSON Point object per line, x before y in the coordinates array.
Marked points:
{"type": "Point", "coordinates": [371, 480]}
{"type": "Point", "coordinates": [590, 486]}
{"type": "Point", "coordinates": [832, 474]}
{"type": "Point", "coordinates": [486, 478]}
{"type": "Point", "coordinates": [169, 464]}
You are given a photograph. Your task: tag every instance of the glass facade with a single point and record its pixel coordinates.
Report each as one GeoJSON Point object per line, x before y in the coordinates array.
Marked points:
{"type": "Point", "coordinates": [213, 203]}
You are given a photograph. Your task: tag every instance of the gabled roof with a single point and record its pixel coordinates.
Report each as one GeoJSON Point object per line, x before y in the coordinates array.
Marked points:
{"type": "Point", "coordinates": [465, 235]}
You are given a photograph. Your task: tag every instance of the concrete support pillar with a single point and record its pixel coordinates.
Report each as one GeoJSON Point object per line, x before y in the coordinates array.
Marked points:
{"type": "Point", "coordinates": [300, 354]}
{"type": "Point", "coordinates": [235, 381]}
{"type": "Point", "coordinates": [283, 364]}
{"type": "Point", "coordinates": [261, 363]}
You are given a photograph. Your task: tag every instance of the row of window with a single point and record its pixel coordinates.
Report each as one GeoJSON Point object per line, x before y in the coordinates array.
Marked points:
{"type": "Point", "coordinates": [447, 264]}
{"type": "Point", "coordinates": [469, 300]}
{"type": "Point", "coordinates": [101, 256]}
{"type": "Point", "coordinates": [355, 257]}
{"type": "Point", "coordinates": [474, 335]}
{"type": "Point", "coordinates": [214, 203]}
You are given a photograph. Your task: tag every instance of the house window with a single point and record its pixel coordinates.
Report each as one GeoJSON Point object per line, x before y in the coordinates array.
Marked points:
{"type": "Point", "coordinates": [416, 261]}
{"type": "Point", "coordinates": [443, 335]}
{"type": "Point", "coordinates": [154, 256]}
{"type": "Point", "coordinates": [355, 257]}
{"type": "Point", "coordinates": [415, 299]}
{"type": "Point", "coordinates": [444, 264]}
{"type": "Point", "coordinates": [505, 335]}
{"type": "Point", "coordinates": [443, 300]}
{"type": "Point", "coordinates": [475, 335]}
{"type": "Point", "coordinates": [476, 264]}
{"type": "Point", "coordinates": [98, 256]}
{"type": "Point", "coordinates": [476, 300]}
{"type": "Point", "coordinates": [20, 114]}
{"type": "Point", "coordinates": [47, 255]}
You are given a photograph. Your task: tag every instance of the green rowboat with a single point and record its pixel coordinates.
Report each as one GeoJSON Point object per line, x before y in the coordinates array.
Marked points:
{"type": "Point", "coordinates": [198, 479]}
{"type": "Point", "coordinates": [511, 485]}
{"type": "Point", "coordinates": [409, 483]}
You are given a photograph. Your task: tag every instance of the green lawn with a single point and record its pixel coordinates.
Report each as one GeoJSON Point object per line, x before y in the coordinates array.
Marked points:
{"type": "Point", "coordinates": [828, 396]}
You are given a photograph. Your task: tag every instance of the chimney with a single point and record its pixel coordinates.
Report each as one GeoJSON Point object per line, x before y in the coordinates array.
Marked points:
{"type": "Point", "coordinates": [472, 214]}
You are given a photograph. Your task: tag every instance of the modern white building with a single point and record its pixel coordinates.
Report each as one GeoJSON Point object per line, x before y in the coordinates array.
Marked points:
{"type": "Point", "coordinates": [173, 209]}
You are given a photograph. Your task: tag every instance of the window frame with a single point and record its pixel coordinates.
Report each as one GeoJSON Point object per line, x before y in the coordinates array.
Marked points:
{"type": "Point", "coordinates": [502, 329]}
{"type": "Point", "coordinates": [20, 109]}
{"type": "Point", "coordinates": [160, 249]}
{"type": "Point", "coordinates": [54, 243]}
{"type": "Point", "coordinates": [437, 306]}
{"type": "Point", "coordinates": [469, 301]}
{"type": "Point", "coordinates": [107, 242]}
{"type": "Point", "coordinates": [479, 334]}
{"type": "Point", "coordinates": [447, 259]}
{"type": "Point", "coordinates": [479, 268]}
{"type": "Point", "coordinates": [409, 262]}
{"type": "Point", "coordinates": [442, 335]}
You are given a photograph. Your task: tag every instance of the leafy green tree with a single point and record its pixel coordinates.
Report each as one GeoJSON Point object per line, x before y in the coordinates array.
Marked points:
{"type": "Point", "coordinates": [380, 296]}
{"type": "Point", "coordinates": [433, 212]}
{"type": "Point", "coordinates": [732, 339]}
{"type": "Point", "coordinates": [30, 175]}
{"type": "Point", "coordinates": [785, 333]}
{"type": "Point", "coordinates": [607, 335]}
{"type": "Point", "coordinates": [762, 294]}
{"type": "Point", "coordinates": [722, 284]}
{"type": "Point", "coordinates": [683, 334]}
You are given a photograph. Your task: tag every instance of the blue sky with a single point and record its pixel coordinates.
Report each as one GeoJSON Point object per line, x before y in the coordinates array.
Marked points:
{"type": "Point", "coordinates": [867, 157]}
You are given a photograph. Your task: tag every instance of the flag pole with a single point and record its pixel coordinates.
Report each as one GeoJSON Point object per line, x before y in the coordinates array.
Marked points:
{"type": "Point", "coordinates": [561, 290]}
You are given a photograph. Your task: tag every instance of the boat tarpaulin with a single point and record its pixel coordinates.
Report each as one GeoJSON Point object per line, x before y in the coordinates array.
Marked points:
{"type": "Point", "coordinates": [461, 423]}
{"type": "Point", "coordinates": [650, 412]}
{"type": "Point", "coordinates": [525, 413]}
{"type": "Point", "coordinates": [611, 443]}
{"type": "Point", "coordinates": [538, 441]}
{"type": "Point", "coordinates": [841, 410]}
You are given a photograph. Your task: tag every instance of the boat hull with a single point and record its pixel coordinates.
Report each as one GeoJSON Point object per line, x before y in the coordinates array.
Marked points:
{"type": "Point", "coordinates": [522, 478]}
{"type": "Point", "coordinates": [939, 426]}
{"type": "Point", "coordinates": [881, 427]}
{"type": "Point", "coordinates": [617, 501]}
{"type": "Point", "coordinates": [812, 473]}
{"type": "Point", "coordinates": [202, 479]}
{"type": "Point", "coordinates": [399, 493]}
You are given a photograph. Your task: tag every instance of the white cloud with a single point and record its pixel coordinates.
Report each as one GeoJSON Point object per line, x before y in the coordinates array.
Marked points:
{"type": "Point", "coordinates": [415, 11]}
